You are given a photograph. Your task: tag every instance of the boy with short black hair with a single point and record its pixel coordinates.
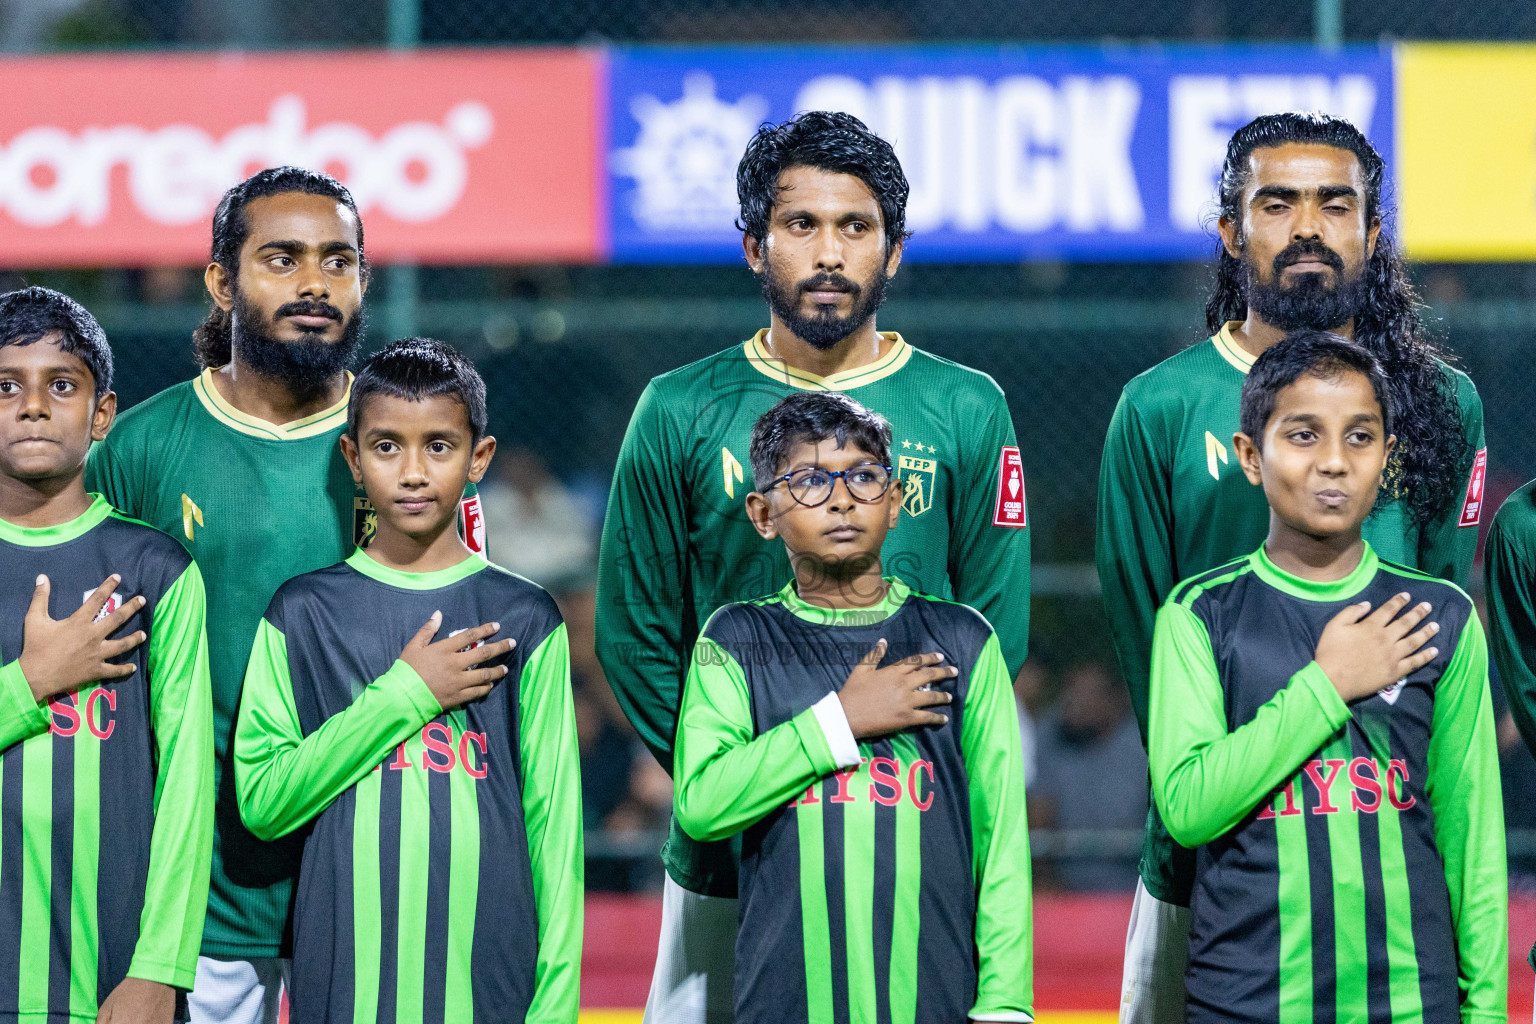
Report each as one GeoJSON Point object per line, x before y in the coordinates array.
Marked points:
{"type": "Point", "coordinates": [885, 856]}
{"type": "Point", "coordinates": [106, 717]}
{"type": "Point", "coordinates": [442, 878]}
{"type": "Point", "coordinates": [1336, 773]}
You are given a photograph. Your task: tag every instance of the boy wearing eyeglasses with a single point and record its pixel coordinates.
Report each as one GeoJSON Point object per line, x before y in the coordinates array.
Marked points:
{"type": "Point", "coordinates": [861, 737]}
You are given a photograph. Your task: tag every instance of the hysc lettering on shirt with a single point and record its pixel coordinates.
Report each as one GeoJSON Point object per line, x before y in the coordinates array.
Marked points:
{"type": "Point", "coordinates": [880, 780]}
{"type": "Point", "coordinates": [443, 747]}
{"type": "Point", "coordinates": [1358, 785]}
{"type": "Point", "coordinates": [92, 709]}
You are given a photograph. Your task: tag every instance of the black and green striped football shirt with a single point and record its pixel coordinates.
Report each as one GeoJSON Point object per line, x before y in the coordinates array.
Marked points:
{"type": "Point", "coordinates": [1349, 859]}
{"type": "Point", "coordinates": [441, 880]}
{"type": "Point", "coordinates": [890, 888]}
{"type": "Point", "coordinates": [106, 795]}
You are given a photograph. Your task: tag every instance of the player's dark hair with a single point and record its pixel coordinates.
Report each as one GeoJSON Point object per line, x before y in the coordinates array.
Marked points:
{"type": "Point", "coordinates": [212, 341]}
{"type": "Point", "coordinates": [416, 369]}
{"type": "Point", "coordinates": [1307, 353]}
{"type": "Point", "coordinates": [31, 314]}
{"type": "Point", "coordinates": [828, 141]}
{"type": "Point", "coordinates": [1430, 465]}
{"type": "Point", "coordinates": [809, 417]}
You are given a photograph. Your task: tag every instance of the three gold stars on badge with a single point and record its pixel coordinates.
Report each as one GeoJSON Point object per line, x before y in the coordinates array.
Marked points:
{"type": "Point", "coordinates": [918, 445]}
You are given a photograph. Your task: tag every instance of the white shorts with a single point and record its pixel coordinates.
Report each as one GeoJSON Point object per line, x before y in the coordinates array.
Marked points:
{"type": "Point", "coordinates": [694, 981]}
{"type": "Point", "coordinates": [1156, 953]}
{"type": "Point", "coordinates": [238, 991]}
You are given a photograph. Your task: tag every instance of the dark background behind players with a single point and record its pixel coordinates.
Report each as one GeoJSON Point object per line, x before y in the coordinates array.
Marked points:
{"type": "Point", "coordinates": [576, 344]}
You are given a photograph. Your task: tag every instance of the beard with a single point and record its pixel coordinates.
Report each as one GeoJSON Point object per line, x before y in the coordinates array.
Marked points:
{"type": "Point", "coordinates": [305, 366]}
{"type": "Point", "coordinates": [824, 328]}
{"type": "Point", "coordinates": [1309, 302]}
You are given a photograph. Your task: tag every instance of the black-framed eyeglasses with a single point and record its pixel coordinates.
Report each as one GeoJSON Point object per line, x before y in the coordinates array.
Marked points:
{"type": "Point", "coordinates": [867, 482]}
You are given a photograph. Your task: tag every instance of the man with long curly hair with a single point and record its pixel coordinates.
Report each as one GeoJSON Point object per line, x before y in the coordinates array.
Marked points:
{"type": "Point", "coordinates": [1302, 246]}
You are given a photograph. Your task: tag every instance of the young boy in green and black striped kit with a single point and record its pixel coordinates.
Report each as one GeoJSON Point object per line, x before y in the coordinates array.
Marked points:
{"type": "Point", "coordinates": [412, 704]}
{"type": "Point", "coordinates": [1321, 736]}
{"type": "Point", "coordinates": [106, 712]}
{"type": "Point", "coordinates": [862, 737]}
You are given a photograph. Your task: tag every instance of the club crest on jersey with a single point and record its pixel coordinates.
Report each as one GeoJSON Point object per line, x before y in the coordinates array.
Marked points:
{"type": "Point", "coordinates": [477, 643]}
{"type": "Point", "coordinates": [917, 475]}
{"type": "Point", "coordinates": [113, 604]}
{"type": "Point", "coordinates": [365, 521]}
{"type": "Point", "coordinates": [1390, 693]}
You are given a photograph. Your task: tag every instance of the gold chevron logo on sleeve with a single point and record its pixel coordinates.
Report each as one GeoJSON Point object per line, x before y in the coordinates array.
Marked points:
{"type": "Point", "coordinates": [732, 470]}
{"type": "Point", "coordinates": [190, 514]}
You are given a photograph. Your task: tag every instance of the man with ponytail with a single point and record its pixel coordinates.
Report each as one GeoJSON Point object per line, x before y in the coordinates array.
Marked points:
{"type": "Point", "coordinates": [242, 465]}
{"type": "Point", "coordinates": [1303, 245]}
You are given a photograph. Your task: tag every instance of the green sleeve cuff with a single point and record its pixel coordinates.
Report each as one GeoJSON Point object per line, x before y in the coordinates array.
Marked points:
{"type": "Point", "coordinates": [413, 688]}
{"type": "Point", "coordinates": [813, 740]}
{"type": "Point", "coordinates": [1316, 682]}
{"type": "Point", "coordinates": [149, 969]}
{"type": "Point", "coordinates": [21, 716]}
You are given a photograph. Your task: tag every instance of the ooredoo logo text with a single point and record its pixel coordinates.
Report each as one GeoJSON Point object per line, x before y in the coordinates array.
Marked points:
{"type": "Point", "coordinates": [413, 171]}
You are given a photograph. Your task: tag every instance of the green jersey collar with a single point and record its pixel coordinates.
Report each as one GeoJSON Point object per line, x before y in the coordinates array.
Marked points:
{"type": "Point", "coordinates": [312, 425]}
{"type": "Point", "coordinates": [46, 536]}
{"type": "Point", "coordinates": [896, 594]}
{"type": "Point", "coordinates": [896, 356]}
{"type": "Point", "coordinates": [1312, 590]}
{"type": "Point", "coordinates": [363, 563]}
{"type": "Point", "coordinates": [1230, 350]}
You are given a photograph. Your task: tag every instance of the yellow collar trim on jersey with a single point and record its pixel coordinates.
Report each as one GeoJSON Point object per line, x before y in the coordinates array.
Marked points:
{"type": "Point", "coordinates": [756, 351]}
{"type": "Point", "coordinates": [310, 426]}
{"type": "Point", "coordinates": [1230, 350]}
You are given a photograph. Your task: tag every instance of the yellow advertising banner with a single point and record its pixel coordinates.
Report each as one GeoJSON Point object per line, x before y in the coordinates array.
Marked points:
{"type": "Point", "coordinates": [1466, 156]}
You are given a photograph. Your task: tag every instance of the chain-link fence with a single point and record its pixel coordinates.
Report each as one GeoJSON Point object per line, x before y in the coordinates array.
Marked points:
{"type": "Point", "coordinates": [43, 24]}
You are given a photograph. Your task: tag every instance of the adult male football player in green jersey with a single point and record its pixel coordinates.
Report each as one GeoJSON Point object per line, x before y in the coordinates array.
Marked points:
{"type": "Point", "coordinates": [823, 207]}
{"type": "Point", "coordinates": [1302, 245]}
{"type": "Point", "coordinates": [242, 465]}
{"type": "Point", "coordinates": [1509, 563]}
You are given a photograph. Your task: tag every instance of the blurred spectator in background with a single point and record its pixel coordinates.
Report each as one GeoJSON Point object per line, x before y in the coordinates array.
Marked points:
{"type": "Point", "coordinates": [1090, 774]}
{"type": "Point", "coordinates": [626, 797]}
{"type": "Point", "coordinates": [1031, 692]}
{"type": "Point", "coordinates": [533, 524]}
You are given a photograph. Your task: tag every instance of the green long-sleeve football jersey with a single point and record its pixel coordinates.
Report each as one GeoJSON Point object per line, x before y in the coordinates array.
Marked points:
{"type": "Point", "coordinates": [1350, 858]}
{"type": "Point", "coordinates": [106, 795]}
{"type": "Point", "coordinates": [677, 543]}
{"type": "Point", "coordinates": [1173, 502]}
{"type": "Point", "coordinates": [892, 885]}
{"type": "Point", "coordinates": [256, 504]}
{"type": "Point", "coordinates": [442, 877]}
{"type": "Point", "coordinates": [1509, 563]}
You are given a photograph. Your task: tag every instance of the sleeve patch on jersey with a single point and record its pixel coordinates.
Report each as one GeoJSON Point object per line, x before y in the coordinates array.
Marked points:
{"type": "Point", "coordinates": [1472, 508]}
{"type": "Point", "coordinates": [472, 523]}
{"type": "Point", "coordinates": [1010, 507]}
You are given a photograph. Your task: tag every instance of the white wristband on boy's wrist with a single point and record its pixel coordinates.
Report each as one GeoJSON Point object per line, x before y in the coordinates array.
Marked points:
{"type": "Point", "coordinates": [834, 726]}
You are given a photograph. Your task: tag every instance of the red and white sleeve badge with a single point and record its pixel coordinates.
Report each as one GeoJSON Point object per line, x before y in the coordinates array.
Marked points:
{"type": "Point", "coordinates": [1472, 507]}
{"type": "Point", "coordinates": [472, 523]}
{"type": "Point", "coordinates": [1009, 509]}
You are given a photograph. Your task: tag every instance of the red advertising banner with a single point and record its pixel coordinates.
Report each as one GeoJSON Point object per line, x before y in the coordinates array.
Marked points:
{"type": "Point", "coordinates": [453, 156]}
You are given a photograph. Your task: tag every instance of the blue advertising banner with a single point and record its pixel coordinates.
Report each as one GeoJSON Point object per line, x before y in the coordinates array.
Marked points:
{"type": "Point", "coordinates": [1019, 153]}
